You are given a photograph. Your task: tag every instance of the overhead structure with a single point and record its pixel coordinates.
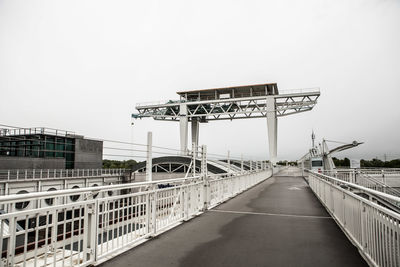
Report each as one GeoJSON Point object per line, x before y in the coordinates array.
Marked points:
{"type": "Point", "coordinates": [322, 153]}
{"type": "Point", "coordinates": [179, 164]}
{"type": "Point", "coordinates": [327, 153]}
{"type": "Point", "coordinates": [230, 103]}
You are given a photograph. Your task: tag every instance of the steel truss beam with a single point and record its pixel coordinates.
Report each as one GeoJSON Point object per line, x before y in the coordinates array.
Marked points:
{"type": "Point", "coordinates": [230, 109]}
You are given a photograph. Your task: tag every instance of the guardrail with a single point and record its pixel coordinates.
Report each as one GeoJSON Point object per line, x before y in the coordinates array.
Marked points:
{"type": "Point", "coordinates": [237, 95]}
{"type": "Point", "coordinates": [102, 224]}
{"type": "Point", "coordinates": [31, 131]}
{"type": "Point", "coordinates": [57, 173]}
{"type": "Point", "coordinates": [299, 91]}
{"type": "Point", "coordinates": [373, 179]}
{"type": "Point", "coordinates": [372, 228]}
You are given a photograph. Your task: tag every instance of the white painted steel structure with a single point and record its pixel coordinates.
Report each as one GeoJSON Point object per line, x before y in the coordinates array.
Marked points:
{"type": "Point", "coordinates": [102, 225]}
{"type": "Point", "coordinates": [373, 229]}
{"type": "Point", "coordinates": [242, 102]}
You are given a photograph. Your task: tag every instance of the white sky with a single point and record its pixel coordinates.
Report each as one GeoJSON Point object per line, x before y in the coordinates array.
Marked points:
{"type": "Point", "coordinates": [83, 65]}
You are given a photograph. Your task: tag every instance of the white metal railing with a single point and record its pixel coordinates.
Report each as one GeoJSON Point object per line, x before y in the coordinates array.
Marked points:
{"type": "Point", "coordinates": [375, 230]}
{"type": "Point", "coordinates": [57, 173]}
{"type": "Point", "coordinates": [30, 131]}
{"type": "Point", "coordinates": [373, 179]}
{"type": "Point", "coordinates": [107, 220]}
{"type": "Point", "coordinates": [237, 95]}
{"type": "Point", "coordinates": [299, 91]}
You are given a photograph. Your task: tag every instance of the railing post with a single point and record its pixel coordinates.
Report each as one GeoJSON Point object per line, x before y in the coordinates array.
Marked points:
{"type": "Point", "coordinates": [204, 175]}
{"type": "Point", "coordinates": [148, 213]}
{"type": "Point", "coordinates": [186, 202]}
{"type": "Point", "coordinates": [154, 210]}
{"type": "Point", "coordinates": [363, 221]}
{"type": "Point", "coordinates": [11, 242]}
{"type": "Point", "coordinates": [383, 177]}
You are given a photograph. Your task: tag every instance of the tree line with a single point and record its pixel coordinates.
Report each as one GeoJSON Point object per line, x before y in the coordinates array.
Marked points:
{"type": "Point", "coordinates": [118, 164]}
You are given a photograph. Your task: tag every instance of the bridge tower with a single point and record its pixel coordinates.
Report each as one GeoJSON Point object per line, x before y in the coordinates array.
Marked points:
{"type": "Point", "coordinates": [230, 103]}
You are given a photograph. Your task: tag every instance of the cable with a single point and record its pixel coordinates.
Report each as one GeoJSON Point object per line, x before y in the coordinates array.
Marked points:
{"type": "Point", "coordinates": [111, 141]}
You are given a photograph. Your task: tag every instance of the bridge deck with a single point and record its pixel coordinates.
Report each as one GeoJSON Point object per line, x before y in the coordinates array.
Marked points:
{"type": "Point", "coordinates": [277, 223]}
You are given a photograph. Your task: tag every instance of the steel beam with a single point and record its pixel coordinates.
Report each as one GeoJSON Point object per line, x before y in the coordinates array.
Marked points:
{"type": "Point", "coordinates": [183, 124]}
{"type": "Point", "coordinates": [272, 124]}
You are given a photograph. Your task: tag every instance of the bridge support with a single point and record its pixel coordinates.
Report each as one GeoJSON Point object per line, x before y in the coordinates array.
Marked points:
{"type": "Point", "coordinates": [272, 125]}
{"type": "Point", "coordinates": [183, 125]}
{"type": "Point", "coordinates": [195, 133]}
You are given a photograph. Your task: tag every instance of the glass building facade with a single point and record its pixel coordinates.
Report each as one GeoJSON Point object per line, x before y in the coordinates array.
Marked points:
{"type": "Point", "coordinates": [38, 144]}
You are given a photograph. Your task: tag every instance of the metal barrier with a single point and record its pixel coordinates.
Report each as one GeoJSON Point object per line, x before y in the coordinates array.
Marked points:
{"type": "Point", "coordinates": [57, 173]}
{"type": "Point", "coordinates": [107, 220]}
{"type": "Point", "coordinates": [374, 229]}
{"type": "Point", "coordinates": [373, 179]}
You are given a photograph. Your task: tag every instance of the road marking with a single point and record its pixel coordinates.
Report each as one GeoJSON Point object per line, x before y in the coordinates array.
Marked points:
{"type": "Point", "coordinates": [294, 188]}
{"type": "Point", "coordinates": [273, 214]}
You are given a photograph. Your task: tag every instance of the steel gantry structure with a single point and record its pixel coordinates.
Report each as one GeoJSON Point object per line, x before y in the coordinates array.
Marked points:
{"type": "Point", "coordinates": [230, 103]}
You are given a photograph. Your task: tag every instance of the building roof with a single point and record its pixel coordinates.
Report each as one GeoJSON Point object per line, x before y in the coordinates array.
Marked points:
{"type": "Point", "coordinates": [238, 88]}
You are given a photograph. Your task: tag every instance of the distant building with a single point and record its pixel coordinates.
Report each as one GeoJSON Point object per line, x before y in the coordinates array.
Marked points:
{"type": "Point", "coordinates": [45, 148]}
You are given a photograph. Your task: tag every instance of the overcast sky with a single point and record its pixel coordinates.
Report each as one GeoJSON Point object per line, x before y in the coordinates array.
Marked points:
{"type": "Point", "coordinates": [83, 65]}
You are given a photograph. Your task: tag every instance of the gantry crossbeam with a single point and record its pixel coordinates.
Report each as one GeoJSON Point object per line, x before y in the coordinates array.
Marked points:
{"type": "Point", "coordinates": [230, 103]}
{"type": "Point", "coordinates": [232, 108]}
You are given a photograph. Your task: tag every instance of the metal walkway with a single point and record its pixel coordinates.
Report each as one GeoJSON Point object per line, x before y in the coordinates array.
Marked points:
{"type": "Point", "coordinates": [277, 223]}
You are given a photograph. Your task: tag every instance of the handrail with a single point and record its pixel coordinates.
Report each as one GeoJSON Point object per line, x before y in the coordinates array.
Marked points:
{"type": "Point", "coordinates": [82, 231]}
{"type": "Point", "coordinates": [30, 174]}
{"type": "Point", "coordinates": [67, 192]}
{"type": "Point", "coordinates": [365, 189]}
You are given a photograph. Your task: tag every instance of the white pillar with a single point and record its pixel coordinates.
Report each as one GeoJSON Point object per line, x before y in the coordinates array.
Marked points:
{"type": "Point", "coordinates": [195, 132]}
{"type": "Point", "coordinates": [183, 123]}
{"type": "Point", "coordinates": [149, 162]}
{"type": "Point", "coordinates": [272, 124]}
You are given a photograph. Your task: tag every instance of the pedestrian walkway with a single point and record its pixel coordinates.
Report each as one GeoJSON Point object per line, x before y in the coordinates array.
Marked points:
{"type": "Point", "coordinates": [276, 223]}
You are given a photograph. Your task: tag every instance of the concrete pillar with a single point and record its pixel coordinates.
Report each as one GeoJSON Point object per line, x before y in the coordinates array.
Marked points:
{"type": "Point", "coordinates": [272, 124]}
{"type": "Point", "coordinates": [149, 162]}
{"type": "Point", "coordinates": [195, 132]}
{"type": "Point", "coordinates": [183, 124]}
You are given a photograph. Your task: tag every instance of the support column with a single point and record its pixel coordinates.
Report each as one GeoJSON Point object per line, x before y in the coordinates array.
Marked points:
{"type": "Point", "coordinates": [272, 124]}
{"type": "Point", "coordinates": [195, 132]}
{"type": "Point", "coordinates": [183, 124]}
